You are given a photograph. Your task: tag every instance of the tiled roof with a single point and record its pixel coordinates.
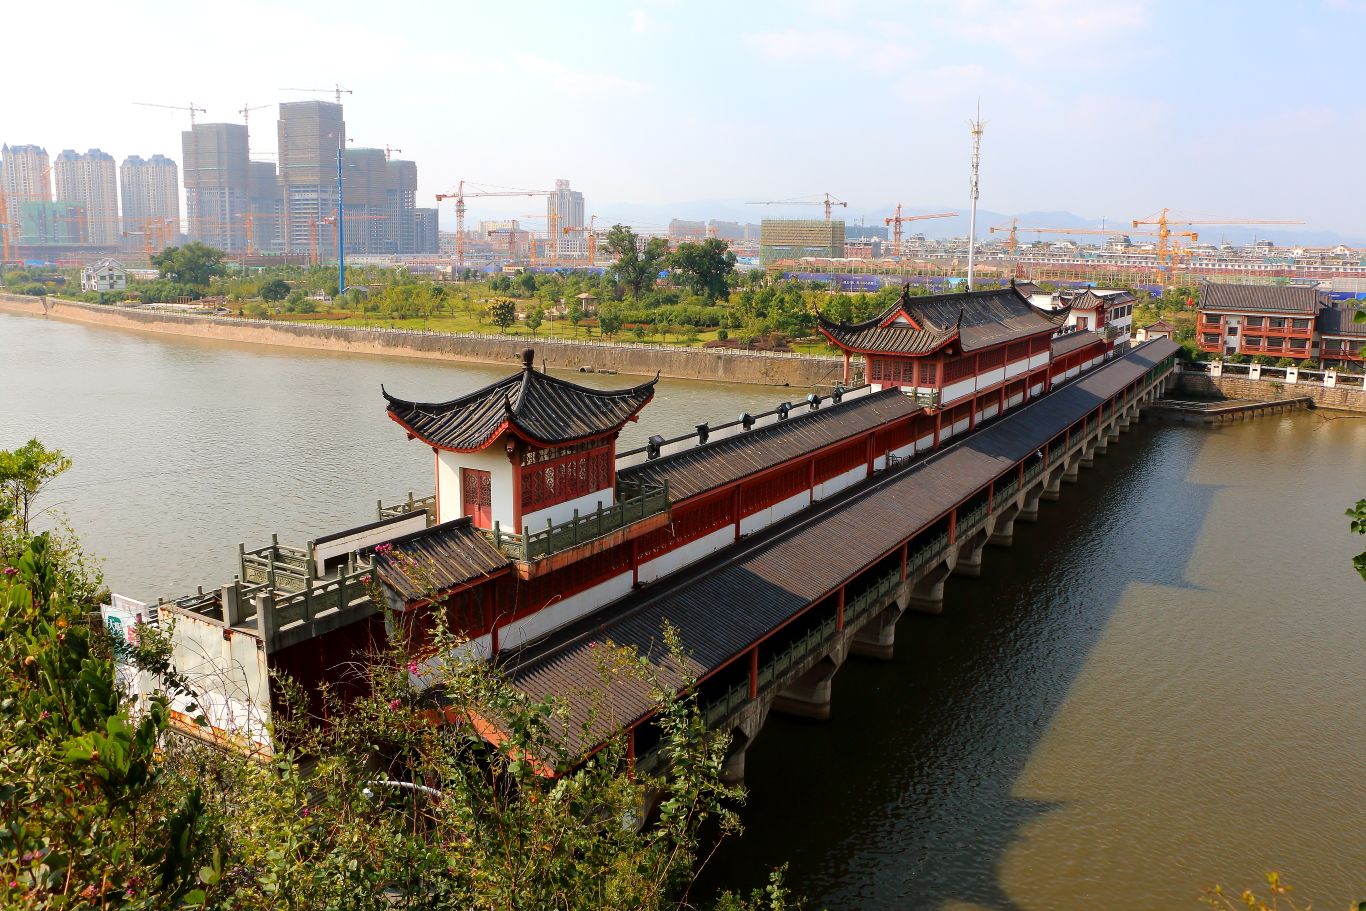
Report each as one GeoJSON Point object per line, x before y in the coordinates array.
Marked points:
{"type": "Point", "coordinates": [1333, 321]}
{"type": "Point", "coordinates": [1260, 298]}
{"type": "Point", "coordinates": [1072, 341]}
{"type": "Point", "coordinates": [723, 606]}
{"type": "Point", "coordinates": [980, 319]}
{"type": "Point", "coordinates": [437, 559]}
{"type": "Point", "coordinates": [707, 467]}
{"type": "Point", "coordinates": [537, 406]}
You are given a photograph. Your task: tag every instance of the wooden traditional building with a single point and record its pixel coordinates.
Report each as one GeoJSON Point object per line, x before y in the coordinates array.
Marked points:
{"type": "Point", "coordinates": [978, 353]}
{"type": "Point", "coordinates": [525, 451]}
{"type": "Point", "coordinates": [1342, 336]}
{"type": "Point", "coordinates": [1099, 310]}
{"type": "Point", "coordinates": [1275, 320]}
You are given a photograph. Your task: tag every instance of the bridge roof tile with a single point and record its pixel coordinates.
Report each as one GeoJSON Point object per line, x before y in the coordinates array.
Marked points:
{"type": "Point", "coordinates": [722, 606]}
{"type": "Point", "coordinates": [537, 406]}
{"type": "Point", "coordinates": [720, 462]}
{"type": "Point", "coordinates": [442, 557]}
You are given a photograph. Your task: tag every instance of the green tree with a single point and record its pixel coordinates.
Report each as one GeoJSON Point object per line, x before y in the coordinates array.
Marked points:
{"type": "Point", "coordinates": [534, 317]}
{"type": "Point", "coordinates": [503, 313]}
{"type": "Point", "coordinates": [704, 268]}
{"type": "Point", "coordinates": [277, 289]}
{"type": "Point", "coordinates": [1358, 524]}
{"type": "Point", "coordinates": [609, 321]}
{"type": "Point", "coordinates": [574, 314]}
{"type": "Point", "coordinates": [635, 268]}
{"type": "Point", "coordinates": [193, 264]}
{"type": "Point", "coordinates": [24, 472]}
{"type": "Point", "coordinates": [527, 282]}
{"type": "Point", "coordinates": [85, 825]}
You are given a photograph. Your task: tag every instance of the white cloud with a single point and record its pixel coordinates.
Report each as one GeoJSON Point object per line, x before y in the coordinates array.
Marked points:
{"type": "Point", "coordinates": [878, 54]}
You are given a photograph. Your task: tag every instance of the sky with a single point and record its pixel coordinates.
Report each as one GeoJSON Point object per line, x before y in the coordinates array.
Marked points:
{"type": "Point", "coordinates": [1109, 109]}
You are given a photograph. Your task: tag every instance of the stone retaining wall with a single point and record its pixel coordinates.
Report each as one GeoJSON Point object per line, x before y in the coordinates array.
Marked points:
{"type": "Point", "coordinates": [680, 363]}
{"type": "Point", "coordinates": [1238, 387]}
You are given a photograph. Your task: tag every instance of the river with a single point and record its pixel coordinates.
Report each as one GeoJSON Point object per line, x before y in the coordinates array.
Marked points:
{"type": "Point", "coordinates": [1158, 687]}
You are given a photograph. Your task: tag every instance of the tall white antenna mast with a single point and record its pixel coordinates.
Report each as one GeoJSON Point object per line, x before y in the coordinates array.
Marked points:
{"type": "Point", "coordinates": [976, 126]}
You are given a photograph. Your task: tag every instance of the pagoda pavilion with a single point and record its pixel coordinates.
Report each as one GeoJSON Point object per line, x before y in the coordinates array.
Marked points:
{"type": "Point", "coordinates": [989, 347]}
{"type": "Point", "coordinates": [525, 450]}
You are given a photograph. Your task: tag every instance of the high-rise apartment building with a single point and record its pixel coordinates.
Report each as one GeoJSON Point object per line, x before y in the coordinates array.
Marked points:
{"type": "Point", "coordinates": [91, 181]}
{"type": "Point", "coordinates": [23, 175]}
{"type": "Point", "coordinates": [380, 197]}
{"type": "Point", "coordinates": [151, 202]}
{"type": "Point", "coordinates": [426, 235]}
{"type": "Point", "coordinates": [564, 209]}
{"type": "Point", "coordinates": [310, 134]}
{"type": "Point", "coordinates": [265, 215]}
{"type": "Point", "coordinates": [217, 184]}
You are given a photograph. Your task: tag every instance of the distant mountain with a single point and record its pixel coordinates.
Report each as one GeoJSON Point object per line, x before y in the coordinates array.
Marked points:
{"type": "Point", "coordinates": [658, 216]}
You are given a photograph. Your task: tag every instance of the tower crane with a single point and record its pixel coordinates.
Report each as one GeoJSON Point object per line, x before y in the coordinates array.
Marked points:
{"type": "Point", "coordinates": [829, 202]}
{"type": "Point", "coordinates": [336, 89]}
{"type": "Point", "coordinates": [898, 219]}
{"type": "Point", "coordinates": [1164, 231]}
{"type": "Point", "coordinates": [461, 194]}
{"type": "Point", "coordinates": [5, 228]}
{"type": "Point", "coordinates": [245, 110]}
{"type": "Point", "coordinates": [175, 107]}
{"type": "Point", "coordinates": [1011, 228]}
{"type": "Point", "coordinates": [590, 235]}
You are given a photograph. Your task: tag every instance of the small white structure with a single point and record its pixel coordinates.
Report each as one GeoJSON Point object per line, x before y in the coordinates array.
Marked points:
{"type": "Point", "coordinates": [105, 275]}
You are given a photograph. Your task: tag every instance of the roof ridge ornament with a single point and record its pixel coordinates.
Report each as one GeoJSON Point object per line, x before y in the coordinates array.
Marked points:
{"type": "Point", "coordinates": [528, 358]}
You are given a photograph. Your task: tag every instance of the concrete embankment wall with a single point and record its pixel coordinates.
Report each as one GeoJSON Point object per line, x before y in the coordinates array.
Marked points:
{"type": "Point", "coordinates": [1238, 387]}
{"type": "Point", "coordinates": [680, 363]}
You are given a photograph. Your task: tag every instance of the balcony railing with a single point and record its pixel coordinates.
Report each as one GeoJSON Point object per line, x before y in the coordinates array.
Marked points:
{"type": "Point", "coordinates": [533, 545]}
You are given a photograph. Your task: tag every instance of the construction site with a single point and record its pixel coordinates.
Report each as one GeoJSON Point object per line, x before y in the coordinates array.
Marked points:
{"type": "Point", "coordinates": [319, 199]}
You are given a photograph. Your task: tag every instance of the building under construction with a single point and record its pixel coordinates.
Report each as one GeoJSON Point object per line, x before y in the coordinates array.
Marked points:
{"type": "Point", "coordinates": [784, 238]}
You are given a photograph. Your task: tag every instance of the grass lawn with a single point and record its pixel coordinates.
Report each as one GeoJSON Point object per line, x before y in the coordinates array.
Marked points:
{"type": "Point", "coordinates": [559, 328]}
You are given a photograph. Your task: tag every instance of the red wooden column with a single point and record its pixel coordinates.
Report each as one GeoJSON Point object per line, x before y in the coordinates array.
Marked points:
{"type": "Point", "coordinates": [953, 525]}
{"type": "Point", "coordinates": [754, 672]}
{"type": "Point", "coordinates": [905, 554]}
{"type": "Point", "coordinates": [839, 610]}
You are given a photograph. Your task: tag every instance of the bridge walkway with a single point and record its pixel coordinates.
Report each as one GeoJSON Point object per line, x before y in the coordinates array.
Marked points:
{"type": "Point", "coordinates": [767, 623]}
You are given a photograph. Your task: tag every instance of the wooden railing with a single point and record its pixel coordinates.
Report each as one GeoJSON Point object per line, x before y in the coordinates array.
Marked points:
{"type": "Point", "coordinates": [412, 504]}
{"type": "Point", "coordinates": [534, 545]}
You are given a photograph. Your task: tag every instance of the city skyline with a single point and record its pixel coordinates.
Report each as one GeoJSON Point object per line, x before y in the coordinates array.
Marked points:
{"type": "Point", "coordinates": [1094, 110]}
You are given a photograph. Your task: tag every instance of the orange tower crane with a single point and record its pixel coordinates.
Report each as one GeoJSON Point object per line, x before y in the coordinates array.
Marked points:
{"type": "Point", "coordinates": [828, 201]}
{"type": "Point", "coordinates": [590, 235]}
{"type": "Point", "coordinates": [461, 194]}
{"type": "Point", "coordinates": [898, 219]}
{"type": "Point", "coordinates": [1164, 231]}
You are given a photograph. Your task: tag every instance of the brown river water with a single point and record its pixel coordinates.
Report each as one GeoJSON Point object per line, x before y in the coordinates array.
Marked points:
{"type": "Point", "coordinates": [1161, 685]}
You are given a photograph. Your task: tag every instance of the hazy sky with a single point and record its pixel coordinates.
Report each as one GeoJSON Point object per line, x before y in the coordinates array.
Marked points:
{"type": "Point", "coordinates": [1108, 108]}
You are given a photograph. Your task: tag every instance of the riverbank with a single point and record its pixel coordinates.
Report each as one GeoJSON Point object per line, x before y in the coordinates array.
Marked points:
{"type": "Point", "coordinates": [1338, 398]}
{"type": "Point", "coordinates": [721, 365]}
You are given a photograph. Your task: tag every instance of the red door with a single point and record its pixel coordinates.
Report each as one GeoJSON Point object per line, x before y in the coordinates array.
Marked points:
{"type": "Point", "coordinates": [476, 492]}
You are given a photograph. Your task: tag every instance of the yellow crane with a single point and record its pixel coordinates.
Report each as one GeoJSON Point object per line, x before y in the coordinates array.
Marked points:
{"type": "Point", "coordinates": [461, 194]}
{"type": "Point", "coordinates": [1164, 231]}
{"type": "Point", "coordinates": [898, 219]}
{"type": "Point", "coordinates": [829, 202]}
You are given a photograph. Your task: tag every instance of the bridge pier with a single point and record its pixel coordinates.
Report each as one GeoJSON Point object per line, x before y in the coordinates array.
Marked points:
{"type": "Point", "coordinates": [926, 594]}
{"type": "Point", "coordinates": [1101, 447]}
{"type": "Point", "coordinates": [744, 727]}
{"type": "Point", "coordinates": [1029, 506]}
{"type": "Point", "coordinates": [877, 637]}
{"type": "Point", "coordinates": [809, 695]}
{"type": "Point", "coordinates": [969, 561]}
{"type": "Point", "coordinates": [1003, 530]}
{"type": "Point", "coordinates": [1072, 469]}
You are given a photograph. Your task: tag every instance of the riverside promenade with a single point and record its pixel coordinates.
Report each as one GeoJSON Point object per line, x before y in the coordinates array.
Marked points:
{"type": "Point", "coordinates": [728, 365]}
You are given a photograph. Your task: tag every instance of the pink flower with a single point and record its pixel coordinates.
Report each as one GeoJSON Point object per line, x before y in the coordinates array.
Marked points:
{"type": "Point", "coordinates": [394, 704]}
{"type": "Point", "coordinates": [383, 548]}
{"type": "Point", "coordinates": [11, 571]}
{"type": "Point", "coordinates": [43, 715]}
{"type": "Point", "coordinates": [365, 579]}
{"type": "Point", "coordinates": [412, 667]}
{"type": "Point", "coordinates": [304, 812]}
